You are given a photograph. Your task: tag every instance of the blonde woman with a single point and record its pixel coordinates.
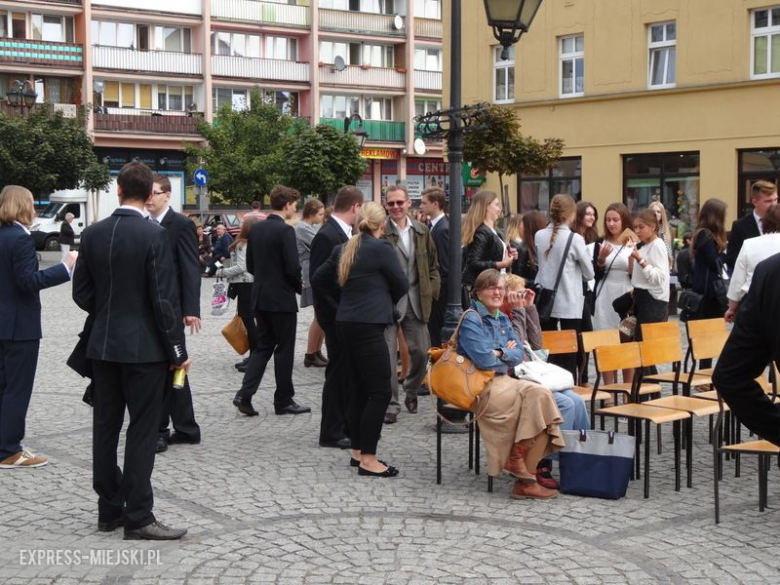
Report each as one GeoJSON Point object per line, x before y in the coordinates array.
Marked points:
{"type": "Point", "coordinates": [372, 282]}
{"type": "Point", "coordinates": [664, 231]}
{"type": "Point", "coordinates": [483, 247]}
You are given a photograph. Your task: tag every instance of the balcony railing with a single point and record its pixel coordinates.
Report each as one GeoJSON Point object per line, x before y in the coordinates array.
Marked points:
{"type": "Point", "coordinates": [427, 80]}
{"type": "Point", "coordinates": [359, 22]}
{"type": "Point", "coordinates": [146, 61]}
{"type": "Point", "coordinates": [378, 130]}
{"type": "Point", "coordinates": [71, 2]}
{"type": "Point", "coordinates": [428, 28]}
{"type": "Point", "coordinates": [250, 68]}
{"type": "Point", "coordinates": [262, 12]}
{"type": "Point", "coordinates": [192, 7]}
{"type": "Point", "coordinates": [41, 53]}
{"type": "Point", "coordinates": [381, 77]}
{"type": "Point", "coordinates": [146, 121]}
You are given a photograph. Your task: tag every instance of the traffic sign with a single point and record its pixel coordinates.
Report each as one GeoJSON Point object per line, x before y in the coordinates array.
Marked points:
{"type": "Point", "coordinates": [201, 177]}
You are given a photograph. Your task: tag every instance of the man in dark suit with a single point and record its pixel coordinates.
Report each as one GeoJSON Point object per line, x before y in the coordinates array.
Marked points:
{"type": "Point", "coordinates": [432, 205]}
{"type": "Point", "coordinates": [272, 258]}
{"type": "Point", "coordinates": [177, 405]}
{"type": "Point", "coordinates": [125, 278]}
{"type": "Point", "coordinates": [753, 343]}
{"type": "Point", "coordinates": [763, 196]}
{"type": "Point", "coordinates": [336, 389]}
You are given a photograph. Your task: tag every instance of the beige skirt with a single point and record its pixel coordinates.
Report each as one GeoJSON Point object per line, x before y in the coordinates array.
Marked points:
{"type": "Point", "coordinates": [513, 410]}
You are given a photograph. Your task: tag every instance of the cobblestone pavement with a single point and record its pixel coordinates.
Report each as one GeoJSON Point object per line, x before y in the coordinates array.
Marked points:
{"type": "Point", "coordinates": [264, 504]}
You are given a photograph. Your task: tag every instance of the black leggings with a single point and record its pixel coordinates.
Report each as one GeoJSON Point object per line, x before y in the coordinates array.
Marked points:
{"type": "Point", "coordinates": [244, 310]}
{"type": "Point", "coordinates": [368, 358]}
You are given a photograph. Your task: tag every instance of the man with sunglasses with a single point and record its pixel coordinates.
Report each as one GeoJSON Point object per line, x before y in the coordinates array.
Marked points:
{"type": "Point", "coordinates": [416, 253]}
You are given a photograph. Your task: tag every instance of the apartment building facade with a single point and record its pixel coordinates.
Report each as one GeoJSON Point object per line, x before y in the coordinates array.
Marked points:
{"type": "Point", "coordinates": [151, 70]}
{"type": "Point", "coordinates": [668, 100]}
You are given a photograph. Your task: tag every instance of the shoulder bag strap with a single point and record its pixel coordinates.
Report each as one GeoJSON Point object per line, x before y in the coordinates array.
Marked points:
{"type": "Point", "coordinates": [606, 272]}
{"type": "Point", "coordinates": [454, 338]}
{"type": "Point", "coordinates": [563, 261]}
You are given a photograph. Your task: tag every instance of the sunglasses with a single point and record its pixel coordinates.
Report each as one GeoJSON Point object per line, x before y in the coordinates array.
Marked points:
{"type": "Point", "coordinates": [395, 203]}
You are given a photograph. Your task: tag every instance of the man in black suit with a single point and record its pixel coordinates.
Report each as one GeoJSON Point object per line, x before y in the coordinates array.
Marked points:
{"type": "Point", "coordinates": [763, 196]}
{"type": "Point", "coordinates": [336, 389]}
{"type": "Point", "coordinates": [753, 343]}
{"type": "Point", "coordinates": [432, 205]}
{"type": "Point", "coordinates": [125, 278]}
{"type": "Point", "coordinates": [272, 258]}
{"type": "Point", "coordinates": [177, 405]}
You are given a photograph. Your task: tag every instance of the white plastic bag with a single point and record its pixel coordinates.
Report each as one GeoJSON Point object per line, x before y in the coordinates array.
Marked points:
{"type": "Point", "coordinates": [552, 377]}
{"type": "Point", "coordinates": [219, 298]}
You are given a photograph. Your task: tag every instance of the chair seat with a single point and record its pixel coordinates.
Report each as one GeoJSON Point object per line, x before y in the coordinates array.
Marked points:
{"type": "Point", "coordinates": [669, 377]}
{"type": "Point", "coordinates": [705, 372]}
{"type": "Point", "coordinates": [710, 395]}
{"type": "Point", "coordinates": [696, 406]}
{"type": "Point", "coordinates": [626, 388]}
{"type": "Point", "coordinates": [759, 447]}
{"type": "Point", "coordinates": [654, 414]}
{"type": "Point", "coordinates": [586, 391]}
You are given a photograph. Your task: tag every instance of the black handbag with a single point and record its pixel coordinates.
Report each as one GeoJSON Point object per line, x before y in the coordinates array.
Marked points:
{"type": "Point", "coordinates": [690, 305]}
{"type": "Point", "coordinates": [545, 300]}
{"type": "Point", "coordinates": [623, 304]}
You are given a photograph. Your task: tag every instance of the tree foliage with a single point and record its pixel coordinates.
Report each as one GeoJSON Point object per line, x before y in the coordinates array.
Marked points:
{"type": "Point", "coordinates": [45, 152]}
{"type": "Point", "coordinates": [495, 145]}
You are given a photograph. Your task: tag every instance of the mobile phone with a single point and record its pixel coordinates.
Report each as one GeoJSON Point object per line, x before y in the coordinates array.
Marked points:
{"type": "Point", "coordinates": [218, 264]}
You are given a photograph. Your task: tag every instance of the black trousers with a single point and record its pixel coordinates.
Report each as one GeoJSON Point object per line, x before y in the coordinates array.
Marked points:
{"type": "Point", "coordinates": [569, 361]}
{"type": "Point", "coordinates": [436, 320]}
{"type": "Point", "coordinates": [245, 311]}
{"type": "Point", "coordinates": [276, 337]}
{"type": "Point", "coordinates": [177, 407]}
{"type": "Point", "coordinates": [139, 387]}
{"type": "Point", "coordinates": [336, 389]}
{"type": "Point", "coordinates": [369, 359]}
{"type": "Point", "coordinates": [648, 310]}
{"type": "Point", "coordinates": [18, 362]}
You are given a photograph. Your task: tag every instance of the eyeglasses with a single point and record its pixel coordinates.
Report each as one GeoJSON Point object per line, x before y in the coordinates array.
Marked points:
{"type": "Point", "coordinates": [160, 192]}
{"type": "Point", "coordinates": [395, 203]}
{"type": "Point", "coordinates": [494, 289]}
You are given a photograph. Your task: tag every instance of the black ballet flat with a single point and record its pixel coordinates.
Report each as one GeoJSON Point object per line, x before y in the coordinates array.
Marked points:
{"type": "Point", "coordinates": [389, 472]}
{"type": "Point", "coordinates": [356, 462]}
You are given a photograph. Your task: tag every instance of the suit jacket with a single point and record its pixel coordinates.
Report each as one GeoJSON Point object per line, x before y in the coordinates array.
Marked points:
{"type": "Point", "coordinates": [482, 253]}
{"type": "Point", "coordinates": [741, 230]}
{"type": "Point", "coordinates": [329, 236]}
{"type": "Point", "coordinates": [125, 278]}
{"type": "Point", "coordinates": [67, 236]}
{"type": "Point", "coordinates": [184, 243]}
{"type": "Point", "coordinates": [441, 239]}
{"type": "Point", "coordinates": [272, 258]}
{"type": "Point", "coordinates": [375, 284]}
{"type": "Point", "coordinates": [20, 283]}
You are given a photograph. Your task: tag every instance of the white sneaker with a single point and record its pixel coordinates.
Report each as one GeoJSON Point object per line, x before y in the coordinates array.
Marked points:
{"type": "Point", "coordinates": [23, 459]}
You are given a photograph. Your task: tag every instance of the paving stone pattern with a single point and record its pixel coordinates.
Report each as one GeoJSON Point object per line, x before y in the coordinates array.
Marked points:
{"type": "Point", "coordinates": [264, 504]}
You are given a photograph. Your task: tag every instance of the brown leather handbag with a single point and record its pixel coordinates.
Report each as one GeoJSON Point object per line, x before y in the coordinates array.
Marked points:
{"type": "Point", "coordinates": [454, 378]}
{"type": "Point", "coordinates": [235, 334]}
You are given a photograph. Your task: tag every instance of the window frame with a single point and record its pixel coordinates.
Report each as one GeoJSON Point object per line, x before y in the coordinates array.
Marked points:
{"type": "Point", "coordinates": [550, 178]}
{"type": "Point", "coordinates": [656, 47]}
{"type": "Point", "coordinates": [503, 67]}
{"type": "Point", "coordinates": [768, 32]}
{"type": "Point", "coordinates": [573, 56]}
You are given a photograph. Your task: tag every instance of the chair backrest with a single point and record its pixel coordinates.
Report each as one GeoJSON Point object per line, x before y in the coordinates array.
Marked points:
{"type": "Point", "coordinates": [622, 356]}
{"type": "Point", "coordinates": [559, 342]}
{"type": "Point", "coordinates": [659, 330]}
{"type": "Point", "coordinates": [666, 350]}
{"type": "Point", "coordinates": [701, 327]}
{"type": "Point", "coordinates": [593, 339]}
{"type": "Point", "coordinates": [708, 346]}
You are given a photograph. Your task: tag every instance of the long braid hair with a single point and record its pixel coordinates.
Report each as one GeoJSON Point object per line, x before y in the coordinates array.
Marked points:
{"type": "Point", "coordinates": [561, 209]}
{"type": "Point", "coordinates": [370, 217]}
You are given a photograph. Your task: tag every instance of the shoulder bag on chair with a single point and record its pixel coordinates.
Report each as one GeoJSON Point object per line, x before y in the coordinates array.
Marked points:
{"type": "Point", "coordinates": [454, 378]}
{"type": "Point", "coordinates": [552, 377]}
{"type": "Point", "coordinates": [545, 300]}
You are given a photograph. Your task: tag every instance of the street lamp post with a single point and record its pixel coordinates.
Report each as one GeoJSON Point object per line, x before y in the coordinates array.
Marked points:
{"type": "Point", "coordinates": [21, 95]}
{"type": "Point", "coordinates": [360, 134]}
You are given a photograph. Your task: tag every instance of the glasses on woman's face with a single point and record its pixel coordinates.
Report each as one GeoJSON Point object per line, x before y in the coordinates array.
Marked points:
{"type": "Point", "coordinates": [492, 289]}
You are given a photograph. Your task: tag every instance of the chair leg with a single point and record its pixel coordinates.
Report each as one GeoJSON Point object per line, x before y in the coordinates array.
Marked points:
{"type": "Point", "coordinates": [438, 449]}
{"type": "Point", "coordinates": [471, 442]}
{"type": "Point", "coordinates": [760, 483]}
{"type": "Point", "coordinates": [676, 432]}
{"type": "Point", "coordinates": [490, 484]}
{"type": "Point", "coordinates": [647, 458]}
{"type": "Point", "coordinates": [716, 491]}
{"type": "Point", "coordinates": [658, 437]}
{"type": "Point", "coordinates": [689, 451]}
{"type": "Point", "coordinates": [638, 431]}
{"type": "Point", "coordinates": [476, 448]}
{"type": "Point", "coordinates": [737, 458]}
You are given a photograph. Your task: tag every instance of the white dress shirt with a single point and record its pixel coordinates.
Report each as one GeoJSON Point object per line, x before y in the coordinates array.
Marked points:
{"type": "Point", "coordinates": [758, 222]}
{"type": "Point", "coordinates": [404, 235]}
{"type": "Point", "coordinates": [160, 217]}
{"type": "Point", "coordinates": [753, 251]}
{"type": "Point", "coordinates": [343, 225]}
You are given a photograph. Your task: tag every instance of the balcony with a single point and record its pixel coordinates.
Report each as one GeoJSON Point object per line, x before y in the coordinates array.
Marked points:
{"type": "Point", "coordinates": [41, 53]}
{"type": "Point", "coordinates": [359, 22]}
{"type": "Point", "coordinates": [250, 68]}
{"type": "Point", "coordinates": [428, 28]}
{"type": "Point", "coordinates": [261, 12]}
{"type": "Point", "coordinates": [364, 76]}
{"type": "Point", "coordinates": [378, 130]}
{"type": "Point", "coordinates": [188, 7]}
{"type": "Point", "coordinates": [135, 121]}
{"type": "Point", "coordinates": [427, 81]}
{"type": "Point", "coordinates": [146, 61]}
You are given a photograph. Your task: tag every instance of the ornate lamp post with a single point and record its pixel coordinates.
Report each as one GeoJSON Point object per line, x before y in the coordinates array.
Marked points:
{"type": "Point", "coordinates": [360, 134]}
{"type": "Point", "coordinates": [21, 95]}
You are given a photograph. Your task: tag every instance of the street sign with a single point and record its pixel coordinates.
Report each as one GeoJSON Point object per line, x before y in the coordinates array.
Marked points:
{"type": "Point", "coordinates": [201, 177]}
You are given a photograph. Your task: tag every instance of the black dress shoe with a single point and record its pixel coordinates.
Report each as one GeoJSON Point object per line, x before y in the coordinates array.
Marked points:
{"type": "Point", "coordinates": [161, 446]}
{"type": "Point", "coordinates": [181, 439]}
{"type": "Point", "coordinates": [423, 391]}
{"type": "Point", "coordinates": [343, 443]}
{"type": "Point", "coordinates": [411, 403]}
{"type": "Point", "coordinates": [155, 531]}
{"type": "Point", "coordinates": [292, 408]}
{"type": "Point", "coordinates": [110, 525]}
{"type": "Point", "coordinates": [389, 472]}
{"type": "Point", "coordinates": [242, 369]}
{"type": "Point", "coordinates": [391, 418]}
{"type": "Point", "coordinates": [242, 363]}
{"type": "Point", "coordinates": [356, 462]}
{"type": "Point", "coordinates": [244, 407]}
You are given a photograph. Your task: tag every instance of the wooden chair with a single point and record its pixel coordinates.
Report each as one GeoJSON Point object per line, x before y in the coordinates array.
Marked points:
{"type": "Point", "coordinates": [446, 410]}
{"type": "Point", "coordinates": [563, 342]}
{"type": "Point", "coordinates": [628, 356]}
{"type": "Point", "coordinates": [670, 329]}
{"type": "Point", "coordinates": [701, 328]}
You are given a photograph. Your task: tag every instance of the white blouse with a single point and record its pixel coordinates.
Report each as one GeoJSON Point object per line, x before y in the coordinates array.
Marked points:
{"type": "Point", "coordinates": [654, 277]}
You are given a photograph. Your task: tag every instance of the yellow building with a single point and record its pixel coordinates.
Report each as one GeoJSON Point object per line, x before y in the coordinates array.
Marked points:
{"type": "Point", "coordinates": [670, 99]}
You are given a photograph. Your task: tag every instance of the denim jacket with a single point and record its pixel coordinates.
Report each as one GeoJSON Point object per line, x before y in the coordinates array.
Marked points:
{"type": "Point", "coordinates": [478, 338]}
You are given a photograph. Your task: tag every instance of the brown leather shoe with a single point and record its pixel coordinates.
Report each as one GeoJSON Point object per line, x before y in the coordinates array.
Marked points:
{"type": "Point", "coordinates": [314, 359]}
{"type": "Point", "coordinates": [516, 464]}
{"type": "Point", "coordinates": [531, 491]}
{"type": "Point", "coordinates": [411, 403]}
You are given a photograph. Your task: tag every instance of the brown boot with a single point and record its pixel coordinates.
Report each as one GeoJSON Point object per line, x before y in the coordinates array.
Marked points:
{"type": "Point", "coordinates": [531, 491]}
{"type": "Point", "coordinates": [516, 464]}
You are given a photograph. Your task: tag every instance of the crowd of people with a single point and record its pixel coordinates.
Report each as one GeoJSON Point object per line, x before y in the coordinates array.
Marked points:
{"type": "Point", "coordinates": [377, 277]}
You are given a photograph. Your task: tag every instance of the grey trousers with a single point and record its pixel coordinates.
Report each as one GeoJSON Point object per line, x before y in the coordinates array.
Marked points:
{"type": "Point", "coordinates": [418, 339]}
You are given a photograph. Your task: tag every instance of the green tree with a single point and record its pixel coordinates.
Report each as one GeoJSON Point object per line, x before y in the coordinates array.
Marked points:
{"type": "Point", "coordinates": [495, 144]}
{"type": "Point", "coordinates": [243, 153]}
{"type": "Point", "coordinates": [321, 160]}
{"type": "Point", "coordinates": [45, 151]}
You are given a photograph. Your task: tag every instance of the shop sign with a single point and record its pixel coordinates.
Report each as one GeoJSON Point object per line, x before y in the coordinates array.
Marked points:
{"type": "Point", "coordinates": [380, 153]}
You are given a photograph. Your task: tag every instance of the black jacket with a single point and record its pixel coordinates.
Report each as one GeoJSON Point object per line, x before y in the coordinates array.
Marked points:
{"type": "Point", "coordinates": [184, 244]}
{"type": "Point", "coordinates": [66, 234]}
{"type": "Point", "coordinates": [523, 265]}
{"type": "Point", "coordinates": [329, 236]}
{"type": "Point", "coordinates": [741, 230]}
{"type": "Point", "coordinates": [441, 239]}
{"type": "Point", "coordinates": [125, 278]}
{"type": "Point", "coordinates": [272, 258]}
{"type": "Point", "coordinates": [482, 253]}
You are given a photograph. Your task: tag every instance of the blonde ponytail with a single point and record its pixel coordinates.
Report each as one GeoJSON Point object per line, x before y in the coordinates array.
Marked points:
{"type": "Point", "coordinates": [370, 218]}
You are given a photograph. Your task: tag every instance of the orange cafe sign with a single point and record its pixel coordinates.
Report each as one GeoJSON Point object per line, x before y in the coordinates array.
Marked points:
{"type": "Point", "coordinates": [380, 153]}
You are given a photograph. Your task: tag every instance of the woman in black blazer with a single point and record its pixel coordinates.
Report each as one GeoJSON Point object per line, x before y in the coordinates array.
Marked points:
{"type": "Point", "coordinates": [20, 321]}
{"type": "Point", "coordinates": [372, 282]}
{"type": "Point", "coordinates": [482, 246]}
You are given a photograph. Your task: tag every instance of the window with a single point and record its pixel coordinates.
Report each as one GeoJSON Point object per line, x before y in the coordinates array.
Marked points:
{"type": "Point", "coordinates": [236, 99]}
{"type": "Point", "coordinates": [281, 48]}
{"type": "Point", "coordinates": [671, 178]}
{"type": "Point", "coordinates": [114, 34]}
{"type": "Point", "coordinates": [765, 49]}
{"type": "Point", "coordinates": [422, 107]}
{"type": "Point", "coordinates": [534, 193]}
{"type": "Point", "coordinates": [118, 94]}
{"type": "Point", "coordinates": [172, 39]}
{"type": "Point", "coordinates": [285, 101]}
{"type": "Point", "coordinates": [235, 44]}
{"type": "Point", "coordinates": [336, 106]}
{"type": "Point", "coordinates": [756, 165]}
{"type": "Point", "coordinates": [376, 108]}
{"type": "Point", "coordinates": [662, 46]}
{"type": "Point", "coordinates": [427, 9]}
{"type": "Point", "coordinates": [427, 59]}
{"type": "Point", "coordinates": [503, 76]}
{"type": "Point", "coordinates": [57, 29]}
{"type": "Point", "coordinates": [377, 56]}
{"type": "Point", "coordinates": [329, 50]}
{"type": "Point", "coordinates": [335, 4]}
{"type": "Point", "coordinates": [55, 90]}
{"type": "Point", "coordinates": [572, 66]}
